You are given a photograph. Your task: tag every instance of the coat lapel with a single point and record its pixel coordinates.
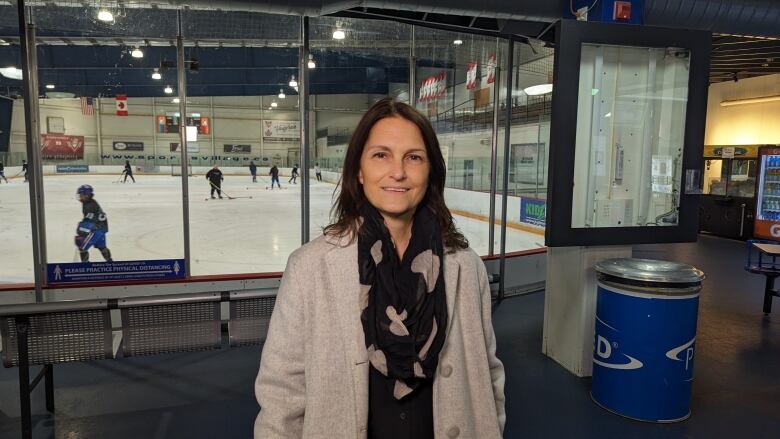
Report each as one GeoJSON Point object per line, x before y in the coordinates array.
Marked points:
{"type": "Point", "coordinates": [451, 277]}
{"type": "Point", "coordinates": [345, 287]}
{"type": "Point", "coordinates": [344, 284]}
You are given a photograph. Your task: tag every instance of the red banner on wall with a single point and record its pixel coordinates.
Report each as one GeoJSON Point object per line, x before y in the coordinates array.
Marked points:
{"type": "Point", "coordinates": [60, 147]}
{"type": "Point", "coordinates": [433, 87]}
{"type": "Point", "coordinates": [491, 68]}
{"type": "Point", "coordinates": [471, 76]}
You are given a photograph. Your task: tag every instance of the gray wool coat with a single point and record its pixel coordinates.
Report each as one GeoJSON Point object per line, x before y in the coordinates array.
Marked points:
{"type": "Point", "coordinates": [313, 378]}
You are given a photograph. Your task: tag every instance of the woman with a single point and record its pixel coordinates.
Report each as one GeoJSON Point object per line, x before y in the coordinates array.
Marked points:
{"type": "Point", "coordinates": [382, 326]}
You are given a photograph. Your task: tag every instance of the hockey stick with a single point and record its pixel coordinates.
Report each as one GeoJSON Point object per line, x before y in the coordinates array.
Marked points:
{"type": "Point", "coordinates": [219, 189]}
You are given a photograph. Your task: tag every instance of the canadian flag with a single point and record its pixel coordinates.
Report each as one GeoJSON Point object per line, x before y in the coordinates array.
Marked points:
{"type": "Point", "coordinates": [121, 105]}
{"type": "Point", "coordinates": [471, 76]}
{"type": "Point", "coordinates": [491, 68]}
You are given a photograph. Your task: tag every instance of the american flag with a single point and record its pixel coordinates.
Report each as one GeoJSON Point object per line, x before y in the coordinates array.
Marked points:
{"type": "Point", "coordinates": [86, 106]}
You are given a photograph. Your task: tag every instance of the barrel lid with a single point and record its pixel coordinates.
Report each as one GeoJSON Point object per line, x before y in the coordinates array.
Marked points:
{"type": "Point", "coordinates": [650, 270]}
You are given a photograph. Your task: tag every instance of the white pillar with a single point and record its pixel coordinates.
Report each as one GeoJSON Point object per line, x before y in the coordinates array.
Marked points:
{"type": "Point", "coordinates": [570, 304]}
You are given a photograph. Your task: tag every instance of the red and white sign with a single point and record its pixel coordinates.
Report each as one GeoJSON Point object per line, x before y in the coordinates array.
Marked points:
{"type": "Point", "coordinates": [121, 105]}
{"type": "Point", "coordinates": [60, 147]}
{"type": "Point", "coordinates": [433, 87]}
{"type": "Point", "coordinates": [491, 68]}
{"type": "Point", "coordinates": [471, 76]}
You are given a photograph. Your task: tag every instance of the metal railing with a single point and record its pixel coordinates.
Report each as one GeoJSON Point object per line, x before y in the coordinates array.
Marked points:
{"type": "Point", "coordinates": [50, 333]}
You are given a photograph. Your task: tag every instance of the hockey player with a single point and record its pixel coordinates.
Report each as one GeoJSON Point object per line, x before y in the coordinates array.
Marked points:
{"type": "Point", "coordinates": [274, 177]}
{"type": "Point", "coordinates": [25, 170]}
{"type": "Point", "coordinates": [253, 171]}
{"type": "Point", "coordinates": [294, 174]}
{"type": "Point", "coordinates": [91, 231]}
{"type": "Point", "coordinates": [128, 172]}
{"type": "Point", "coordinates": [318, 171]}
{"type": "Point", "coordinates": [2, 173]}
{"type": "Point", "coordinates": [214, 176]}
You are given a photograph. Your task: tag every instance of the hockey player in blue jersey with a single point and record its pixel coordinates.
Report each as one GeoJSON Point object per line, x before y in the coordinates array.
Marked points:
{"type": "Point", "coordinates": [91, 231]}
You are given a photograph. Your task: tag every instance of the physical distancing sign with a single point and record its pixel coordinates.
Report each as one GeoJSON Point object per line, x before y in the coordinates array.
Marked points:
{"type": "Point", "coordinates": [160, 269]}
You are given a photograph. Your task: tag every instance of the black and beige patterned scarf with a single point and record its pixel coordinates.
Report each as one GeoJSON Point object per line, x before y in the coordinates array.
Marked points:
{"type": "Point", "coordinates": [403, 303]}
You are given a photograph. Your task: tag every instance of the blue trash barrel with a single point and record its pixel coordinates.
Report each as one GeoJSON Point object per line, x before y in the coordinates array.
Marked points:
{"type": "Point", "coordinates": [645, 338]}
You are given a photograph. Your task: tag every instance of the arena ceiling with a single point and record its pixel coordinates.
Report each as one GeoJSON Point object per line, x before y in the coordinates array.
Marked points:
{"type": "Point", "coordinates": [238, 53]}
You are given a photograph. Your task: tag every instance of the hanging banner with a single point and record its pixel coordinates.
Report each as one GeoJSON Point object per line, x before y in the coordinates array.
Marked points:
{"type": "Point", "coordinates": [491, 68]}
{"type": "Point", "coordinates": [471, 76]}
{"type": "Point", "coordinates": [433, 87]}
{"type": "Point", "coordinates": [281, 130]}
{"type": "Point", "coordinates": [121, 105]}
{"type": "Point", "coordinates": [60, 147]}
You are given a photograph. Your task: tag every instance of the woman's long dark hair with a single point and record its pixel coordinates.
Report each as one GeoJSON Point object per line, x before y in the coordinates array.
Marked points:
{"type": "Point", "coordinates": [349, 201]}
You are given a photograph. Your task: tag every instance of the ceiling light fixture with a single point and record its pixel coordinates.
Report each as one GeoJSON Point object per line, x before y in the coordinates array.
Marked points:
{"type": "Point", "coordinates": [104, 15]}
{"type": "Point", "coordinates": [274, 104]}
{"type": "Point", "coordinates": [537, 90]}
{"type": "Point", "coordinates": [50, 86]}
{"type": "Point", "coordinates": [311, 62]}
{"type": "Point", "coordinates": [6, 43]}
{"type": "Point", "coordinates": [168, 89]}
{"type": "Point", "coordinates": [293, 83]}
{"type": "Point", "coordinates": [457, 42]}
{"type": "Point", "coordinates": [339, 34]}
{"type": "Point", "coordinates": [761, 100]}
{"type": "Point", "coordinates": [281, 94]}
{"type": "Point", "coordinates": [137, 53]}
{"type": "Point", "coordinates": [156, 74]}
{"type": "Point", "coordinates": [11, 73]}
{"type": "Point", "coordinates": [176, 100]}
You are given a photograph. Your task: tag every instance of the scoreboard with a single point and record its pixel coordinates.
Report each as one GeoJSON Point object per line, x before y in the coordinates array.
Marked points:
{"type": "Point", "coordinates": [169, 123]}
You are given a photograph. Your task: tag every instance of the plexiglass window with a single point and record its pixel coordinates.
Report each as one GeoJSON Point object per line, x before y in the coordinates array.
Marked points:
{"type": "Point", "coordinates": [630, 131]}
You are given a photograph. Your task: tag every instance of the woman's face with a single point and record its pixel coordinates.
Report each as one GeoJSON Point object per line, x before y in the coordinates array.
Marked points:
{"type": "Point", "coordinates": [394, 167]}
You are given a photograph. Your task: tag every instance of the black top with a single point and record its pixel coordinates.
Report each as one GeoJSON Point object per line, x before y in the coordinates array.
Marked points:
{"type": "Point", "coordinates": [275, 171]}
{"type": "Point", "coordinates": [128, 169]}
{"type": "Point", "coordinates": [94, 214]}
{"type": "Point", "coordinates": [389, 418]}
{"type": "Point", "coordinates": [214, 176]}
{"type": "Point", "coordinates": [252, 168]}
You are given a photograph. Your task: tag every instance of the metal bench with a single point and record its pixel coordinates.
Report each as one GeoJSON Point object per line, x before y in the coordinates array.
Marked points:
{"type": "Point", "coordinates": [50, 333]}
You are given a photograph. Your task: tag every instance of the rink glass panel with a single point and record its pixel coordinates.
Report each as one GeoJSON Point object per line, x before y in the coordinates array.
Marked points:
{"type": "Point", "coordinates": [88, 141]}
{"type": "Point", "coordinates": [370, 63]}
{"type": "Point", "coordinates": [15, 220]}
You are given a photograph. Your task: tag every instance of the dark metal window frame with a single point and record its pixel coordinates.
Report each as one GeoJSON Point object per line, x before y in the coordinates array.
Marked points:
{"type": "Point", "coordinates": [570, 36]}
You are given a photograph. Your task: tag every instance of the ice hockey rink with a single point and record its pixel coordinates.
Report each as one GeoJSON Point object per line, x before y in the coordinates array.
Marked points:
{"type": "Point", "coordinates": [252, 233]}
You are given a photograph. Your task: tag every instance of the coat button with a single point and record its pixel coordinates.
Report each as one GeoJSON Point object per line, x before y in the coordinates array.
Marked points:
{"type": "Point", "coordinates": [446, 371]}
{"type": "Point", "coordinates": [453, 432]}
{"type": "Point", "coordinates": [403, 416]}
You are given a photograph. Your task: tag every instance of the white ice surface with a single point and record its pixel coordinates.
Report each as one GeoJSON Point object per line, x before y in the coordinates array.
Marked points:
{"type": "Point", "coordinates": [145, 219]}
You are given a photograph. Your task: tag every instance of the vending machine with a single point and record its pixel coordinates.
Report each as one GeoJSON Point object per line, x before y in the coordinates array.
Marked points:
{"type": "Point", "coordinates": [767, 219]}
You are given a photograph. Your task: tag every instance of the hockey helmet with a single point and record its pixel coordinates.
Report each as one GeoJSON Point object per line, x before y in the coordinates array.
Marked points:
{"type": "Point", "coordinates": [85, 189]}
